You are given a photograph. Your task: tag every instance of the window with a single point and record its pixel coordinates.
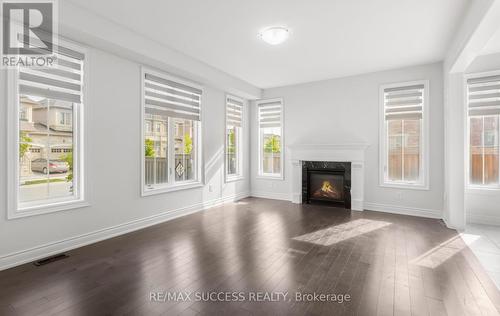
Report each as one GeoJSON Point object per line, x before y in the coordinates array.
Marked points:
{"type": "Point", "coordinates": [483, 128]}
{"type": "Point", "coordinates": [64, 118]}
{"type": "Point", "coordinates": [172, 149]}
{"type": "Point", "coordinates": [403, 143]}
{"type": "Point", "coordinates": [46, 135]}
{"type": "Point", "coordinates": [270, 117]}
{"type": "Point", "coordinates": [234, 138]}
{"type": "Point", "coordinates": [147, 127]}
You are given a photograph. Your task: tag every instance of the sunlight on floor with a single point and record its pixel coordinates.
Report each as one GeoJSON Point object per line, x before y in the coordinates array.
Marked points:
{"type": "Point", "coordinates": [334, 234]}
{"type": "Point", "coordinates": [486, 248]}
{"type": "Point", "coordinates": [444, 251]}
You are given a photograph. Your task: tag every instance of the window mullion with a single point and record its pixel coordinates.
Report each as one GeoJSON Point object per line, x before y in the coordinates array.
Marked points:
{"type": "Point", "coordinates": [171, 151]}
{"type": "Point", "coordinates": [403, 143]}
{"type": "Point", "coordinates": [483, 152]}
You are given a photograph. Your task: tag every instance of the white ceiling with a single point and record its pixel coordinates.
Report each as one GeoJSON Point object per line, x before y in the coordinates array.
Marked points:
{"type": "Point", "coordinates": [493, 45]}
{"type": "Point", "coordinates": [329, 38]}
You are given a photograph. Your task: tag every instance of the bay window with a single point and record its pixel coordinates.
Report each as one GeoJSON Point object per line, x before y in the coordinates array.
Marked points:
{"type": "Point", "coordinates": [171, 142]}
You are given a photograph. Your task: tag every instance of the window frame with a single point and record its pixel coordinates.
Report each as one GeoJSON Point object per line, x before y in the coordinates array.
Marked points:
{"type": "Point", "coordinates": [240, 148]}
{"type": "Point", "coordinates": [469, 186]}
{"type": "Point", "coordinates": [261, 174]}
{"type": "Point", "coordinates": [424, 166]}
{"type": "Point", "coordinates": [172, 185]}
{"type": "Point", "coordinates": [15, 209]}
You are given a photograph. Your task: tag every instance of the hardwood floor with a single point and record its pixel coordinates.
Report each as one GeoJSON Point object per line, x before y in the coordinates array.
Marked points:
{"type": "Point", "coordinates": [388, 264]}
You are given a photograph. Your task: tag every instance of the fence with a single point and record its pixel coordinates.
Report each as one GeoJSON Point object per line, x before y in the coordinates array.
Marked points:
{"type": "Point", "coordinates": [411, 166]}
{"type": "Point", "coordinates": [271, 163]}
{"type": "Point", "coordinates": [231, 163]}
{"type": "Point", "coordinates": [490, 168]}
{"type": "Point", "coordinates": [156, 169]}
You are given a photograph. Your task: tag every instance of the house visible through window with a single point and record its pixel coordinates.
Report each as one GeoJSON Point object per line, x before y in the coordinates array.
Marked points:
{"type": "Point", "coordinates": [64, 118]}
{"type": "Point", "coordinates": [403, 150]}
{"type": "Point", "coordinates": [484, 129]}
{"type": "Point", "coordinates": [270, 122]}
{"type": "Point", "coordinates": [172, 150]}
{"type": "Point", "coordinates": [234, 119]}
{"type": "Point", "coordinates": [49, 145]}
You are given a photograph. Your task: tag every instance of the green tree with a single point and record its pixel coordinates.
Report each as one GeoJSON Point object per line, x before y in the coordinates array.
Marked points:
{"type": "Point", "coordinates": [69, 160]}
{"type": "Point", "coordinates": [24, 145]}
{"type": "Point", "coordinates": [188, 144]}
{"type": "Point", "coordinates": [272, 144]}
{"type": "Point", "coordinates": [149, 148]}
{"type": "Point", "coordinates": [231, 142]}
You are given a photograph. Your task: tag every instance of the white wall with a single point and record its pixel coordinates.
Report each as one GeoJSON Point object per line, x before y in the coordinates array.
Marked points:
{"type": "Point", "coordinates": [347, 109]}
{"type": "Point", "coordinates": [482, 206]}
{"type": "Point", "coordinates": [479, 23]}
{"type": "Point", "coordinates": [114, 168]}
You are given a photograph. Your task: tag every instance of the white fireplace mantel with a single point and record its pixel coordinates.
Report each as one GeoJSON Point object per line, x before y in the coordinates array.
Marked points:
{"type": "Point", "coordinates": [353, 152]}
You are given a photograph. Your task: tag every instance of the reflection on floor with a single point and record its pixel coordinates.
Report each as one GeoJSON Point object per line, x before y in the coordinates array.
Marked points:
{"type": "Point", "coordinates": [484, 241]}
{"type": "Point", "coordinates": [389, 265]}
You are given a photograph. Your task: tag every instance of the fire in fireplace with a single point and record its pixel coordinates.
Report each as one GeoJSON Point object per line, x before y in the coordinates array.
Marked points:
{"type": "Point", "coordinates": [327, 191]}
{"type": "Point", "coordinates": [327, 182]}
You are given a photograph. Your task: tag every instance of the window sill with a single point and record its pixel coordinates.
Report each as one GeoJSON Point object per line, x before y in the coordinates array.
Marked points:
{"type": "Point", "coordinates": [230, 179]}
{"type": "Point", "coordinates": [264, 177]}
{"type": "Point", "coordinates": [483, 190]}
{"type": "Point", "coordinates": [166, 189]}
{"type": "Point", "coordinates": [406, 186]}
{"type": "Point", "coordinates": [49, 208]}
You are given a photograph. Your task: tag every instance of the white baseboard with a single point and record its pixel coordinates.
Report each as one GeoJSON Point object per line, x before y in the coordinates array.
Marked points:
{"type": "Point", "coordinates": [483, 219]}
{"type": "Point", "coordinates": [297, 198]}
{"type": "Point", "coordinates": [271, 195]}
{"type": "Point", "coordinates": [403, 210]}
{"type": "Point", "coordinates": [46, 250]}
{"type": "Point", "coordinates": [357, 205]}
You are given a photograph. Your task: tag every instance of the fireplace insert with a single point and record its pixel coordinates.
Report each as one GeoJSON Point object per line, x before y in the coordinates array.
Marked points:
{"type": "Point", "coordinates": [326, 182]}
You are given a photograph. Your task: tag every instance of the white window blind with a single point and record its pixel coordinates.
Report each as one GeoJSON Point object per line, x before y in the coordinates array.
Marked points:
{"type": "Point", "coordinates": [404, 103]}
{"type": "Point", "coordinates": [170, 98]}
{"type": "Point", "coordinates": [269, 114]}
{"type": "Point", "coordinates": [234, 110]}
{"type": "Point", "coordinates": [61, 82]}
{"type": "Point", "coordinates": [484, 96]}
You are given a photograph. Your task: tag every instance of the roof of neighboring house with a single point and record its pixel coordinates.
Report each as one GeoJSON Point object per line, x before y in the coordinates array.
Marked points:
{"type": "Point", "coordinates": [39, 128]}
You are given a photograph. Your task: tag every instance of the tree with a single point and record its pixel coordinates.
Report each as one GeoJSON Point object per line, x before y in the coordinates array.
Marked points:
{"type": "Point", "coordinates": [231, 142]}
{"type": "Point", "coordinates": [69, 160]}
{"type": "Point", "coordinates": [149, 148]}
{"type": "Point", "coordinates": [272, 144]}
{"type": "Point", "coordinates": [188, 144]}
{"type": "Point", "coordinates": [24, 145]}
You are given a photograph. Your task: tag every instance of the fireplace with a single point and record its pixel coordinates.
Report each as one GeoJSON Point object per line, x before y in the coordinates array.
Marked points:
{"type": "Point", "coordinates": [326, 182]}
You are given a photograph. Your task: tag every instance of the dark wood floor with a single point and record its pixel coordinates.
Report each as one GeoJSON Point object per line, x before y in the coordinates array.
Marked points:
{"type": "Point", "coordinates": [388, 264]}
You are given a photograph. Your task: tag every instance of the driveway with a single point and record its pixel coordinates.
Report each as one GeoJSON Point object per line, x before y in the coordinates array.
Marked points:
{"type": "Point", "coordinates": [43, 191]}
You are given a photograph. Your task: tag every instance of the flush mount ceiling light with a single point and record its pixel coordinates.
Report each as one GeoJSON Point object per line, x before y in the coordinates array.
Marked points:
{"type": "Point", "coordinates": [274, 35]}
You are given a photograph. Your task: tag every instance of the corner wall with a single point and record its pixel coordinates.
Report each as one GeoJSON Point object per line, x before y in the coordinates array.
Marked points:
{"type": "Point", "coordinates": [345, 110]}
{"type": "Point", "coordinates": [481, 206]}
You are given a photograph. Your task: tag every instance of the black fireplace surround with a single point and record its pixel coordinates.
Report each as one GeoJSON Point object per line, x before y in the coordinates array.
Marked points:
{"type": "Point", "coordinates": [334, 176]}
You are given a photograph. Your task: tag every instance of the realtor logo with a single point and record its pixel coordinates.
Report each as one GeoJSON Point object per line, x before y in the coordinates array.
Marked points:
{"type": "Point", "coordinates": [28, 33]}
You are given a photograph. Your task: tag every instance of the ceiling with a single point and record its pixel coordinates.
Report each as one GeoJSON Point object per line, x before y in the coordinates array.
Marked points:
{"type": "Point", "coordinates": [329, 38]}
{"type": "Point", "coordinates": [493, 45]}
